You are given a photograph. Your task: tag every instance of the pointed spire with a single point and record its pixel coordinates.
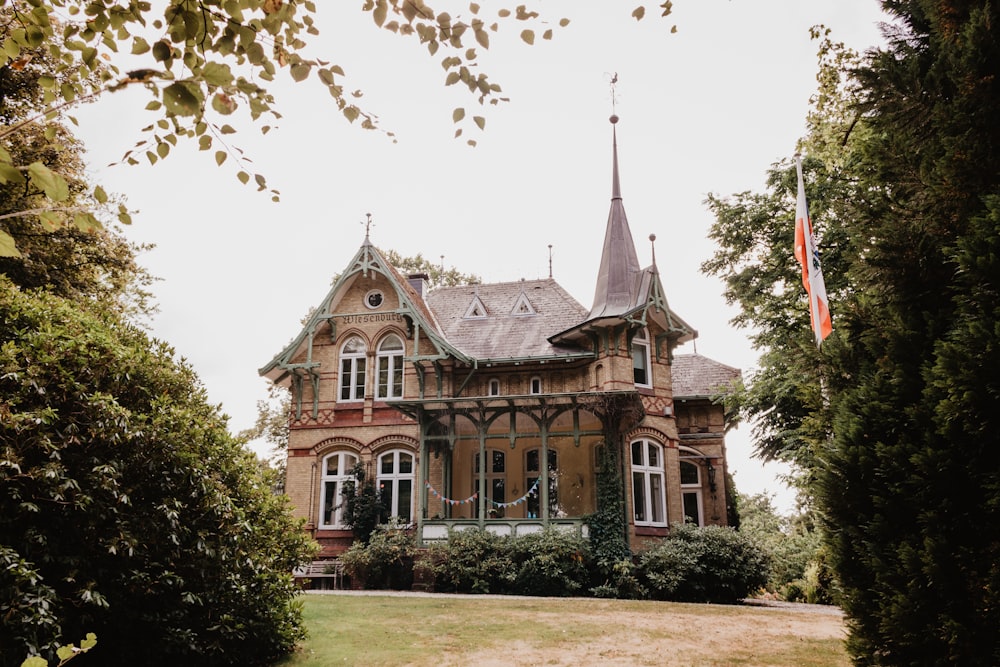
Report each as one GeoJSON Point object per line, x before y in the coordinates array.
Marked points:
{"type": "Point", "coordinates": [618, 276]}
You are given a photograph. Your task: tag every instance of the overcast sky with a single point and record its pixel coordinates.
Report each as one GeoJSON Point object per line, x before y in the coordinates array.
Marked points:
{"type": "Point", "coordinates": [705, 110]}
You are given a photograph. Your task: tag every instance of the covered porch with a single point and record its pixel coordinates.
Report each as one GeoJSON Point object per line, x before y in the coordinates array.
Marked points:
{"type": "Point", "coordinates": [514, 465]}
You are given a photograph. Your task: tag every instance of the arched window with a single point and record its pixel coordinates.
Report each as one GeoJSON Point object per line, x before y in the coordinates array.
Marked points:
{"type": "Point", "coordinates": [640, 359]}
{"type": "Point", "coordinates": [338, 468]}
{"type": "Point", "coordinates": [496, 482]}
{"type": "Point", "coordinates": [691, 488]}
{"type": "Point", "coordinates": [535, 385]}
{"type": "Point", "coordinates": [395, 483]}
{"type": "Point", "coordinates": [494, 389]}
{"type": "Point", "coordinates": [532, 473]}
{"type": "Point", "coordinates": [352, 369]}
{"type": "Point", "coordinates": [649, 501]}
{"type": "Point", "coordinates": [389, 368]}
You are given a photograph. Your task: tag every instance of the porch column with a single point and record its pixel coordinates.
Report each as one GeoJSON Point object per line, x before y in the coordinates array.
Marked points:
{"type": "Point", "coordinates": [543, 467]}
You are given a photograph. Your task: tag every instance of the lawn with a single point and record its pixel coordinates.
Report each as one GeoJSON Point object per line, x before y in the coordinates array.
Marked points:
{"type": "Point", "coordinates": [483, 631]}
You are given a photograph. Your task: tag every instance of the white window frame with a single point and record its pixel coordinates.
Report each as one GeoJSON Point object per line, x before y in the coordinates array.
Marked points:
{"type": "Point", "coordinates": [640, 354]}
{"type": "Point", "coordinates": [494, 387]}
{"type": "Point", "coordinates": [333, 484]}
{"type": "Point", "coordinates": [650, 479]}
{"type": "Point", "coordinates": [692, 488]}
{"type": "Point", "coordinates": [352, 371]}
{"type": "Point", "coordinates": [533, 475]}
{"type": "Point", "coordinates": [492, 477]}
{"type": "Point", "coordinates": [389, 482]}
{"type": "Point", "coordinates": [390, 363]}
{"type": "Point", "coordinates": [535, 384]}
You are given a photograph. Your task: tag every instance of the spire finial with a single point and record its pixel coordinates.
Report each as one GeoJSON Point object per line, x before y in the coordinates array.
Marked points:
{"type": "Point", "coordinates": [368, 225]}
{"type": "Point", "coordinates": [652, 247]}
{"type": "Point", "coordinates": [550, 261]}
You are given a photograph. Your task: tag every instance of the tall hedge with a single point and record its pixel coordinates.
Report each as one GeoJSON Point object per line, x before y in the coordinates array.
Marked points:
{"type": "Point", "coordinates": [126, 508]}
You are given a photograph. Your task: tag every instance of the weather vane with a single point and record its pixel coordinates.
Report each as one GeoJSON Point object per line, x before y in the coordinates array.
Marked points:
{"type": "Point", "coordinates": [614, 94]}
{"type": "Point", "coordinates": [367, 223]}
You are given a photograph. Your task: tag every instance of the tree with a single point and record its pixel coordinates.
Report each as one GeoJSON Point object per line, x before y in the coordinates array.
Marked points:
{"type": "Point", "coordinates": [74, 261]}
{"type": "Point", "coordinates": [126, 508]}
{"type": "Point", "coordinates": [204, 60]}
{"type": "Point", "coordinates": [894, 419]}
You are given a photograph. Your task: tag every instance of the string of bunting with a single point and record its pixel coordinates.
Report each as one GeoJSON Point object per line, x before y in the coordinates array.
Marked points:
{"type": "Point", "coordinates": [530, 492]}
{"type": "Point", "coordinates": [450, 501]}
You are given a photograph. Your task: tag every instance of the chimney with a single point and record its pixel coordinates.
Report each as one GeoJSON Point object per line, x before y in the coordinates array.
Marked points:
{"type": "Point", "coordinates": [418, 281]}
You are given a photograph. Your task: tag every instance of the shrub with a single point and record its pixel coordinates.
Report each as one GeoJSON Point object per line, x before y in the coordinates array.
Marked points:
{"type": "Point", "coordinates": [620, 580]}
{"type": "Point", "coordinates": [386, 561]}
{"type": "Point", "coordinates": [126, 507]}
{"type": "Point", "coordinates": [550, 562]}
{"type": "Point", "coordinates": [472, 561]}
{"type": "Point", "coordinates": [710, 564]}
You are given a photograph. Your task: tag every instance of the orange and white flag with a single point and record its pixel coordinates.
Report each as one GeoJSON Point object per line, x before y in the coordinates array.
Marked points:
{"type": "Point", "coordinates": [807, 254]}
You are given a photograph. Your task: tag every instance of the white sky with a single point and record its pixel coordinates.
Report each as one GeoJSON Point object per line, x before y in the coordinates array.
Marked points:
{"type": "Point", "coordinates": [707, 109]}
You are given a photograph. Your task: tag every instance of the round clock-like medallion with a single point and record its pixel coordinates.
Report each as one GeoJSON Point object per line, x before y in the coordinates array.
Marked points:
{"type": "Point", "coordinates": [374, 299]}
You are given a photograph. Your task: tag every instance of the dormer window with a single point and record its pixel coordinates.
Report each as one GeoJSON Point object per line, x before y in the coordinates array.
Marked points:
{"type": "Point", "coordinates": [641, 362]}
{"type": "Point", "coordinates": [522, 306]}
{"type": "Point", "coordinates": [477, 309]}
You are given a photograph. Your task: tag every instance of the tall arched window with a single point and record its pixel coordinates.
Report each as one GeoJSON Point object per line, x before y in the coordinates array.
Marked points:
{"type": "Point", "coordinates": [395, 483]}
{"type": "Point", "coordinates": [533, 474]}
{"type": "Point", "coordinates": [691, 488]}
{"type": "Point", "coordinates": [389, 368]}
{"type": "Point", "coordinates": [352, 369]}
{"type": "Point", "coordinates": [641, 362]}
{"type": "Point", "coordinates": [496, 482]}
{"type": "Point", "coordinates": [649, 500]}
{"type": "Point", "coordinates": [338, 468]}
{"type": "Point", "coordinates": [494, 387]}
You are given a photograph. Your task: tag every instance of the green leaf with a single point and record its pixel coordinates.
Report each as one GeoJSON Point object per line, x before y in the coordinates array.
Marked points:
{"type": "Point", "coordinates": [10, 174]}
{"type": "Point", "coordinates": [480, 121]}
{"type": "Point", "coordinates": [217, 74]}
{"type": "Point", "coordinates": [458, 114]}
{"type": "Point", "coordinates": [100, 195]}
{"type": "Point", "coordinates": [244, 177]}
{"type": "Point", "coordinates": [528, 36]}
{"type": "Point", "coordinates": [182, 99]}
{"type": "Point", "coordinates": [48, 181]}
{"type": "Point", "coordinates": [86, 222]}
{"type": "Point", "coordinates": [300, 71]}
{"type": "Point", "coordinates": [139, 46]}
{"type": "Point", "coordinates": [204, 142]}
{"type": "Point", "coordinates": [379, 14]}
{"type": "Point", "coordinates": [220, 157]}
{"type": "Point", "coordinates": [9, 249]}
{"type": "Point", "coordinates": [351, 113]}
{"type": "Point", "coordinates": [51, 221]}
{"type": "Point", "coordinates": [161, 51]}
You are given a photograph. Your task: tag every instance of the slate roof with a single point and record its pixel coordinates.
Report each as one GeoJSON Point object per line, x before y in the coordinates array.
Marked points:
{"type": "Point", "coordinates": [697, 376]}
{"type": "Point", "coordinates": [501, 334]}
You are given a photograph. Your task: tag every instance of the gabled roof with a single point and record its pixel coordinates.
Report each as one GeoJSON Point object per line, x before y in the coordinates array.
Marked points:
{"type": "Point", "coordinates": [367, 260]}
{"type": "Point", "coordinates": [697, 376]}
{"type": "Point", "coordinates": [506, 335]}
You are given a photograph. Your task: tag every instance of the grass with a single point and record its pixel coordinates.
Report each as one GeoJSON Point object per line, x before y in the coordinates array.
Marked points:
{"type": "Point", "coordinates": [444, 630]}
